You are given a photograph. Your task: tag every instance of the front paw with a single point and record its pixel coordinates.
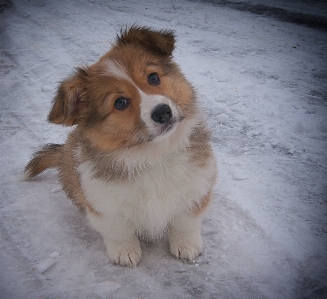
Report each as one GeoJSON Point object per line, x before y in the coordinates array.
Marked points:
{"type": "Point", "coordinates": [186, 247]}
{"type": "Point", "coordinates": [125, 253]}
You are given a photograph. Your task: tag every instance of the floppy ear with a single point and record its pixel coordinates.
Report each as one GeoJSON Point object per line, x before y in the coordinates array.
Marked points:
{"type": "Point", "coordinates": [69, 104]}
{"type": "Point", "coordinates": [158, 42]}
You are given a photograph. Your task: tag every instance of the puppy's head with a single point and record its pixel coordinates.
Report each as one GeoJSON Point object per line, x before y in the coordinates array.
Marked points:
{"type": "Point", "coordinates": [135, 93]}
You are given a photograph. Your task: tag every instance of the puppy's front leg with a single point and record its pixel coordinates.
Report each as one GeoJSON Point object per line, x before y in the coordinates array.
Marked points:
{"type": "Point", "coordinates": [122, 244]}
{"type": "Point", "coordinates": [185, 236]}
{"type": "Point", "coordinates": [185, 231]}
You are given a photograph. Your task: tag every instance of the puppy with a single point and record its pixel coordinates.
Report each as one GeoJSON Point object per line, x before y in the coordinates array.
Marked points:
{"type": "Point", "coordinates": [138, 160]}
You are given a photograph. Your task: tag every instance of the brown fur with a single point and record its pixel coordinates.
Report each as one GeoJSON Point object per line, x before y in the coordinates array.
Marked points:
{"type": "Point", "coordinates": [161, 43]}
{"type": "Point", "coordinates": [48, 157]}
{"type": "Point", "coordinates": [86, 100]}
{"type": "Point", "coordinates": [199, 146]}
{"type": "Point", "coordinates": [197, 209]}
{"type": "Point", "coordinates": [69, 175]}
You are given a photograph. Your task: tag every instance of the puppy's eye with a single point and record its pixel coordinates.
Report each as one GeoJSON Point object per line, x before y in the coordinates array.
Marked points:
{"type": "Point", "coordinates": [153, 79]}
{"type": "Point", "coordinates": [121, 103]}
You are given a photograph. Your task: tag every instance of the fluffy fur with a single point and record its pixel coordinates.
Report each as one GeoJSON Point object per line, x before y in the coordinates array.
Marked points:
{"type": "Point", "coordinates": [138, 160]}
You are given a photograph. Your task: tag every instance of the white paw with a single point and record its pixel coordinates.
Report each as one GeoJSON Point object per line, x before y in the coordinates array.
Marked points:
{"type": "Point", "coordinates": [186, 247]}
{"type": "Point", "coordinates": [125, 253]}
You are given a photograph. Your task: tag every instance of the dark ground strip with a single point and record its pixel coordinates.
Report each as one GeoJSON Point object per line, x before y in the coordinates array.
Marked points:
{"type": "Point", "coordinates": [281, 14]}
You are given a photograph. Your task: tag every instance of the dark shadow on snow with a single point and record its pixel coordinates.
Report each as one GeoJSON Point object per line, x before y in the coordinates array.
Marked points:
{"type": "Point", "coordinates": [281, 14]}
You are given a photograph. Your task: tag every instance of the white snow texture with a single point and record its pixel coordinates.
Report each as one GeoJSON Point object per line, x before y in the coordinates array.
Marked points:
{"type": "Point", "coordinates": [260, 71]}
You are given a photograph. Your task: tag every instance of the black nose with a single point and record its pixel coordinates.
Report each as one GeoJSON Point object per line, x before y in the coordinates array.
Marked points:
{"type": "Point", "coordinates": [161, 113]}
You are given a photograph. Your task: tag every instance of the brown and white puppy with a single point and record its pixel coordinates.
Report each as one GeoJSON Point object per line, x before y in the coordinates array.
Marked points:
{"type": "Point", "coordinates": [138, 160]}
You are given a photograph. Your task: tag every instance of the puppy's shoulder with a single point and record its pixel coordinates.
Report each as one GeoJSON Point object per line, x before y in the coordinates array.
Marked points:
{"type": "Point", "coordinates": [199, 149]}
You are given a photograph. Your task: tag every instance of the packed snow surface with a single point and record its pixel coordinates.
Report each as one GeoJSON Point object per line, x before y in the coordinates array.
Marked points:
{"type": "Point", "coordinates": [262, 82]}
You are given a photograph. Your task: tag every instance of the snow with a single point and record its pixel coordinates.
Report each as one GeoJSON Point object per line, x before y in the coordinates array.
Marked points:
{"type": "Point", "coordinates": [262, 83]}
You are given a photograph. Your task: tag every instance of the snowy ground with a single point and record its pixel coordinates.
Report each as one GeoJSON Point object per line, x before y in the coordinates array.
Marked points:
{"type": "Point", "coordinates": [263, 83]}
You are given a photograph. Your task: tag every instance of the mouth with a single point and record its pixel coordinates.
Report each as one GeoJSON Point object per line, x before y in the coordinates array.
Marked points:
{"type": "Point", "coordinates": [166, 128]}
{"type": "Point", "coordinates": [144, 136]}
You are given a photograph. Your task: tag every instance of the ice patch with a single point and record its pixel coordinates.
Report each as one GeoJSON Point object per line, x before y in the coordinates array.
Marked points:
{"type": "Point", "coordinates": [291, 151]}
{"type": "Point", "coordinates": [54, 254]}
{"type": "Point", "coordinates": [103, 289]}
{"type": "Point", "coordinates": [173, 22]}
{"type": "Point", "coordinates": [222, 118]}
{"type": "Point", "coordinates": [45, 265]}
{"type": "Point", "coordinates": [56, 190]}
{"type": "Point", "coordinates": [239, 175]}
{"type": "Point", "coordinates": [46, 88]}
{"type": "Point", "coordinates": [253, 133]}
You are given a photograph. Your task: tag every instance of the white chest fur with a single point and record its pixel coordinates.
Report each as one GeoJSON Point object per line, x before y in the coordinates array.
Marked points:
{"type": "Point", "coordinates": [150, 202]}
